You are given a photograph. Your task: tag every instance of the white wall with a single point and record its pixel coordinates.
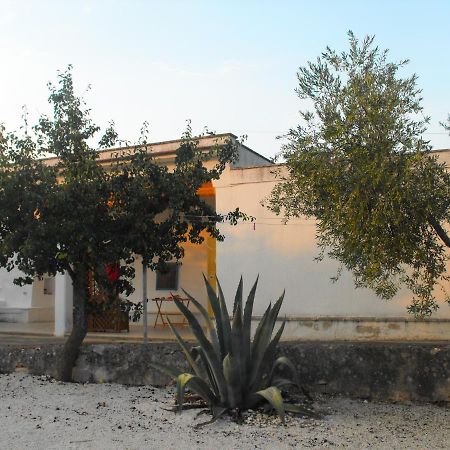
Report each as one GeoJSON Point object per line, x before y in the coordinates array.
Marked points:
{"type": "Point", "coordinates": [283, 255]}
{"type": "Point", "coordinates": [14, 296]}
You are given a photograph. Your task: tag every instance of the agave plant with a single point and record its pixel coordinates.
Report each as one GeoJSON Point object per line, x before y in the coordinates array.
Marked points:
{"type": "Point", "coordinates": [230, 372]}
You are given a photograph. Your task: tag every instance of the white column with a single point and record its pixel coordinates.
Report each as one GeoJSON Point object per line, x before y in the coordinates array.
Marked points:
{"type": "Point", "coordinates": [144, 301]}
{"type": "Point", "coordinates": [63, 304]}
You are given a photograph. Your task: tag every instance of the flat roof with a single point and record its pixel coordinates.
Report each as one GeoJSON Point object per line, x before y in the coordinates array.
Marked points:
{"type": "Point", "coordinates": [167, 148]}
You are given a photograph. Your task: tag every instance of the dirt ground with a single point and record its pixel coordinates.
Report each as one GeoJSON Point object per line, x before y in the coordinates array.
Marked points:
{"type": "Point", "coordinates": [37, 413]}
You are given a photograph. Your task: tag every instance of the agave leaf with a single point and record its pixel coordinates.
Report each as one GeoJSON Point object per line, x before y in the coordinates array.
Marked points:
{"type": "Point", "coordinates": [197, 385]}
{"type": "Point", "coordinates": [237, 349]}
{"type": "Point", "coordinates": [250, 362]}
{"type": "Point", "coordinates": [210, 355]}
{"type": "Point", "coordinates": [196, 352]}
{"type": "Point", "coordinates": [247, 324]}
{"type": "Point", "coordinates": [248, 311]}
{"type": "Point", "coordinates": [284, 361]}
{"type": "Point", "coordinates": [273, 395]}
{"type": "Point", "coordinates": [227, 368]}
{"type": "Point", "coordinates": [209, 374]}
{"type": "Point", "coordinates": [185, 406]}
{"type": "Point", "coordinates": [258, 349]}
{"type": "Point", "coordinates": [217, 412]}
{"type": "Point", "coordinates": [186, 350]}
{"type": "Point", "coordinates": [209, 323]}
{"type": "Point", "coordinates": [226, 324]}
{"type": "Point", "coordinates": [236, 326]}
{"type": "Point", "coordinates": [215, 305]}
{"type": "Point", "coordinates": [281, 382]}
{"type": "Point", "coordinates": [260, 327]}
{"type": "Point", "coordinates": [182, 380]}
{"type": "Point", "coordinates": [202, 412]}
{"type": "Point", "coordinates": [238, 297]}
{"type": "Point", "coordinates": [275, 310]}
{"type": "Point", "coordinates": [262, 338]}
{"type": "Point", "coordinates": [302, 410]}
{"type": "Point", "coordinates": [272, 347]}
{"type": "Point", "coordinates": [252, 401]}
{"type": "Point", "coordinates": [266, 362]}
{"type": "Point", "coordinates": [170, 371]}
{"type": "Point", "coordinates": [232, 376]}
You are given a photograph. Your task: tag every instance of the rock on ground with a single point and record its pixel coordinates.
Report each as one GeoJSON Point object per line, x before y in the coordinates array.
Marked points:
{"type": "Point", "coordinates": [38, 413]}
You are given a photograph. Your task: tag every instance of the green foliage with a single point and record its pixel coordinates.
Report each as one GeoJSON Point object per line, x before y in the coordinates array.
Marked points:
{"type": "Point", "coordinates": [447, 124]}
{"type": "Point", "coordinates": [73, 212]}
{"type": "Point", "coordinates": [359, 165]}
{"type": "Point", "coordinates": [77, 213]}
{"type": "Point", "coordinates": [230, 372]}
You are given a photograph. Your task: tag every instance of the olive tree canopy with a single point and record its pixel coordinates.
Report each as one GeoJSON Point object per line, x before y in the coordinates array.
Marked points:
{"type": "Point", "coordinates": [359, 164]}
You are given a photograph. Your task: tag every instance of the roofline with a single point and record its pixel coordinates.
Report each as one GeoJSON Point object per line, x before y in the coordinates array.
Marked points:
{"type": "Point", "coordinates": [255, 153]}
{"type": "Point", "coordinates": [440, 150]}
{"type": "Point", "coordinates": [282, 164]}
{"type": "Point", "coordinates": [171, 151]}
{"type": "Point", "coordinates": [271, 165]}
{"type": "Point", "coordinates": [172, 141]}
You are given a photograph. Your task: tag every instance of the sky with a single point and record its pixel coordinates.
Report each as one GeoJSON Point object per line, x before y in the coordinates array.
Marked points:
{"type": "Point", "coordinates": [227, 65]}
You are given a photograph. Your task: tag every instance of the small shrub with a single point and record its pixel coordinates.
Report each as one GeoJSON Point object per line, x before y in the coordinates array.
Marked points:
{"type": "Point", "coordinates": [230, 372]}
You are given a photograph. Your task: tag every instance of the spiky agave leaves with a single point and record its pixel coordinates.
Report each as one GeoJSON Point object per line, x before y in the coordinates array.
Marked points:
{"type": "Point", "coordinates": [229, 370]}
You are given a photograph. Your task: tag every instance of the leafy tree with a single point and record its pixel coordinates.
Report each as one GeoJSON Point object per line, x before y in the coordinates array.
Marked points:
{"type": "Point", "coordinates": [79, 214]}
{"type": "Point", "coordinates": [447, 125]}
{"type": "Point", "coordinates": [358, 163]}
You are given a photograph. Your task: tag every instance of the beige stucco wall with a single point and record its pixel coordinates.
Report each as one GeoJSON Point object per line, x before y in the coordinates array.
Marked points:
{"type": "Point", "coordinates": [443, 156]}
{"type": "Point", "coordinates": [283, 256]}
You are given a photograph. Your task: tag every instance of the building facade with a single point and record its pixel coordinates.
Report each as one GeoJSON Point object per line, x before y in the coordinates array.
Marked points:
{"type": "Point", "coordinates": [282, 254]}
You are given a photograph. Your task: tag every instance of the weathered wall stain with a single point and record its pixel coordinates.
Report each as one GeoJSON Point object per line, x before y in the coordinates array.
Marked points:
{"type": "Point", "coordinates": [326, 324]}
{"type": "Point", "coordinates": [368, 329]}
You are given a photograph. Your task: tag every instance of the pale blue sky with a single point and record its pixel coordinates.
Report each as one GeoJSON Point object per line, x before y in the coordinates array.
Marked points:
{"type": "Point", "coordinates": [230, 65]}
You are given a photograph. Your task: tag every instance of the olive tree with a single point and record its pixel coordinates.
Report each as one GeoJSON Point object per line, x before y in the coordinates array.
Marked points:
{"type": "Point", "coordinates": [76, 214]}
{"type": "Point", "coordinates": [447, 125]}
{"type": "Point", "coordinates": [359, 164]}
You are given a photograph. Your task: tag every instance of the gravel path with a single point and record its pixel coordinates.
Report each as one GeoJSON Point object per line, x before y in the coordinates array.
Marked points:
{"type": "Point", "coordinates": [36, 413]}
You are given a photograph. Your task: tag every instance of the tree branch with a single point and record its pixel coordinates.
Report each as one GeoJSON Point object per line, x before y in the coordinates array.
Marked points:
{"type": "Point", "coordinates": [70, 271]}
{"type": "Point", "coordinates": [439, 230]}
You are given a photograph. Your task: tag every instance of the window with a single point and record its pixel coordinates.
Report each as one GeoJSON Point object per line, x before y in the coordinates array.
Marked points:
{"type": "Point", "coordinates": [167, 278]}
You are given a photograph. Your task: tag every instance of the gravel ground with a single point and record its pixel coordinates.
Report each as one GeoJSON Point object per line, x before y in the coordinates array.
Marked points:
{"type": "Point", "coordinates": [37, 413]}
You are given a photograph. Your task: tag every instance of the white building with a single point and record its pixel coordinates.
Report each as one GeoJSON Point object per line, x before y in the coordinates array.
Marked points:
{"type": "Point", "coordinates": [282, 254]}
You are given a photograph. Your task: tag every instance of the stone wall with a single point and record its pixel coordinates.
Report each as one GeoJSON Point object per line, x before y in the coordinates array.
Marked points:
{"type": "Point", "coordinates": [379, 371]}
{"type": "Point", "coordinates": [374, 370]}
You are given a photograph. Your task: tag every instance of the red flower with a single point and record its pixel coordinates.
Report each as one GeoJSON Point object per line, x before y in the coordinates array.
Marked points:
{"type": "Point", "coordinates": [113, 271]}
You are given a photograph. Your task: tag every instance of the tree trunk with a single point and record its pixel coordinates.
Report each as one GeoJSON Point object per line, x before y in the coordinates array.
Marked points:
{"type": "Point", "coordinates": [439, 230]}
{"type": "Point", "coordinates": [72, 346]}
